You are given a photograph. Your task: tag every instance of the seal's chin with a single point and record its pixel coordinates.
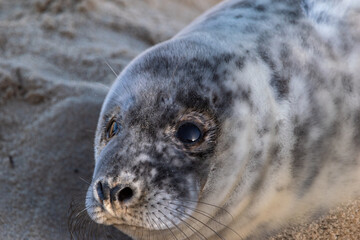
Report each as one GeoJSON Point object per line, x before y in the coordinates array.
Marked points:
{"type": "Point", "coordinates": [144, 233]}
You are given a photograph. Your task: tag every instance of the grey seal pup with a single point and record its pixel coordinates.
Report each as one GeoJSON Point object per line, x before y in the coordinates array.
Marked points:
{"type": "Point", "coordinates": [244, 122]}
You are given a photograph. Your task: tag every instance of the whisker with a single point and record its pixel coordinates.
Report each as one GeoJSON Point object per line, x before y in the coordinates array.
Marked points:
{"type": "Point", "coordinates": [102, 85]}
{"type": "Point", "coordinates": [80, 226]}
{"type": "Point", "coordinates": [86, 208]}
{"type": "Point", "coordinates": [209, 204]}
{"type": "Point", "coordinates": [137, 233]}
{"type": "Point", "coordinates": [147, 219]}
{"type": "Point", "coordinates": [108, 64]}
{"type": "Point", "coordinates": [198, 226]}
{"type": "Point", "coordinates": [173, 223]}
{"type": "Point", "coordinates": [208, 216]}
{"type": "Point", "coordinates": [142, 232]}
{"type": "Point", "coordinates": [159, 227]}
{"type": "Point", "coordinates": [189, 226]}
{"type": "Point", "coordinates": [181, 212]}
{"type": "Point", "coordinates": [84, 180]}
{"type": "Point", "coordinates": [166, 226]}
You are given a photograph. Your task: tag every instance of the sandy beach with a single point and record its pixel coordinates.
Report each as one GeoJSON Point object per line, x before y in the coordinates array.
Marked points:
{"type": "Point", "coordinates": [54, 75]}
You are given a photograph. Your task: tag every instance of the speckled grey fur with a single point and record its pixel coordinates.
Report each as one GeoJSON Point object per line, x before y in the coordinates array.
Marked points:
{"type": "Point", "coordinates": [276, 87]}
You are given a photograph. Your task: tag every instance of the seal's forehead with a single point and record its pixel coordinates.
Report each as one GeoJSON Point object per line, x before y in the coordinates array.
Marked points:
{"type": "Point", "coordinates": [141, 90]}
{"type": "Point", "coordinates": [190, 77]}
{"type": "Point", "coordinates": [155, 74]}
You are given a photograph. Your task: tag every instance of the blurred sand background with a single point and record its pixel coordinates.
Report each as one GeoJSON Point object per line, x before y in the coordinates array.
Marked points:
{"type": "Point", "coordinates": [53, 78]}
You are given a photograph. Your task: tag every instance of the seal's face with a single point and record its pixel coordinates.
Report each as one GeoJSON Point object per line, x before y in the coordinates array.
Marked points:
{"type": "Point", "coordinates": [152, 148]}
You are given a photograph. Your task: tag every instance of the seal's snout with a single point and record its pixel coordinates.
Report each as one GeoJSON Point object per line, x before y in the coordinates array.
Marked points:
{"type": "Point", "coordinates": [118, 193]}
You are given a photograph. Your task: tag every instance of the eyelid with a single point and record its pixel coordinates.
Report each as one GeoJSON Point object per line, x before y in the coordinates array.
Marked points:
{"type": "Point", "coordinates": [109, 128]}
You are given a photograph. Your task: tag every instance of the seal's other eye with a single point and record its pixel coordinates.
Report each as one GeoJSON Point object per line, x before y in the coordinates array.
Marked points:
{"type": "Point", "coordinates": [112, 129]}
{"type": "Point", "coordinates": [188, 133]}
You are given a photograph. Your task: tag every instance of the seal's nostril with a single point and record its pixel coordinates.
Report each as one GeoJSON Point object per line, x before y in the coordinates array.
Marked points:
{"type": "Point", "coordinates": [100, 191]}
{"type": "Point", "coordinates": [125, 194]}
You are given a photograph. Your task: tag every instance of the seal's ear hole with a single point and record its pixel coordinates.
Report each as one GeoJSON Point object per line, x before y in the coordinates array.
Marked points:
{"type": "Point", "coordinates": [163, 98]}
{"type": "Point", "coordinates": [215, 98]}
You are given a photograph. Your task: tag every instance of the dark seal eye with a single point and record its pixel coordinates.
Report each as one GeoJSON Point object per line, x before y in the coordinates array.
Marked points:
{"type": "Point", "coordinates": [112, 129]}
{"type": "Point", "coordinates": [188, 133]}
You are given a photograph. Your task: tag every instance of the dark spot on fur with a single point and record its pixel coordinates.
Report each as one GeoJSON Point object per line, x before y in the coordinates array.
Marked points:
{"type": "Point", "coordinates": [333, 130]}
{"type": "Point", "coordinates": [285, 56]}
{"type": "Point", "coordinates": [280, 84]}
{"type": "Point", "coordinates": [238, 16]}
{"type": "Point", "coordinates": [277, 127]}
{"type": "Point", "coordinates": [192, 100]}
{"type": "Point", "coordinates": [240, 62]}
{"type": "Point", "coordinates": [215, 77]}
{"type": "Point", "coordinates": [157, 65]}
{"type": "Point", "coordinates": [256, 185]}
{"type": "Point", "coordinates": [245, 95]}
{"type": "Point", "coordinates": [347, 83]}
{"type": "Point", "coordinates": [274, 152]}
{"type": "Point", "coordinates": [357, 128]}
{"type": "Point", "coordinates": [265, 56]}
{"type": "Point", "coordinates": [228, 57]}
{"type": "Point", "coordinates": [263, 131]}
{"type": "Point", "coordinates": [301, 132]}
{"type": "Point", "coordinates": [243, 4]}
{"type": "Point", "coordinates": [215, 99]}
{"type": "Point", "coordinates": [291, 15]}
{"type": "Point", "coordinates": [305, 6]}
{"type": "Point", "coordinates": [11, 162]}
{"type": "Point", "coordinates": [338, 102]}
{"type": "Point", "coordinates": [311, 176]}
{"type": "Point", "coordinates": [258, 154]}
{"type": "Point", "coordinates": [260, 8]}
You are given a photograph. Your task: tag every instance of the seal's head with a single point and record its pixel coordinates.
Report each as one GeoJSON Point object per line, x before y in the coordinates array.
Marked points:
{"type": "Point", "coordinates": [230, 114]}
{"type": "Point", "coordinates": [156, 136]}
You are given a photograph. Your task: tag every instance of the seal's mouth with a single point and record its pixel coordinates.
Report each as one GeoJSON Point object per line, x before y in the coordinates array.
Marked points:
{"type": "Point", "coordinates": [157, 211]}
{"type": "Point", "coordinates": [178, 222]}
{"type": "Point", "coordinates": [131, 205]}
{"type": "Point", "coordinates": [144, 233]}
